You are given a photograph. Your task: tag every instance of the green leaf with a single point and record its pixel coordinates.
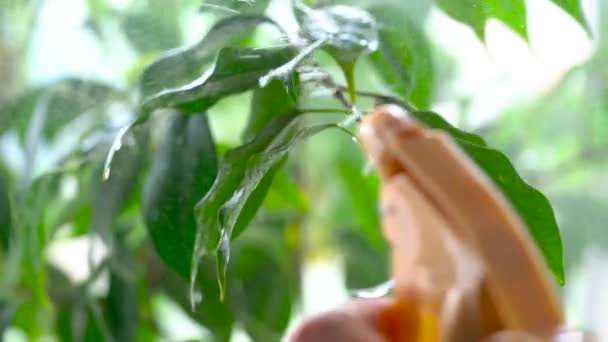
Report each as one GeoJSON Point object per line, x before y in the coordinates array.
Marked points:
{"type": "Point", "coordinates": [347, 33]}
{"type": "Point", "coordinates": [284, 192]}
{"type": "Point", "coordinates": [153, 27]}
{"type": "Point", "coordinates": [63, 101]}
{"type": "Point", "coordinates": [235, 70]}
{"type": "Point", "coordinates": [434, 120]}
{"type": "Point", "coordinates": [263, 258]}
{"type": "Point", "coordinates": [531, 204]}
{"type": "Point", "coordinates": [240, 173]}
{"type": "Point", "coordinates": [236, 6]}
{"type": "Point", "coordinates": [121, 307]}
{"type": "Point", "coordinates": [363, 193]}
{"type": "Point", "coordinates": [474, 13]}
{"type": "Point", "coordinates": [512, 13]}
{"type": "Point", "coordinates": [404, 57]}
{"type": "Point", "coordinates": [267, 103]}
{"type": "Point", "coordinates": [255, 200]}
{"type": "Point", "coordinates": [76, 322]}
{"type": "Point", "coordinates": [416, 11]}
{"type": "Point", "coordinates": [182, 172]}
{"type": "Point", "coordinates": [32, 233]}
{"type": "Point", "coordinates": [213, 314]}
{"type": "Point", "coordinates": [6, 313]}
{"type": "Point", "coordinates": [574, 9]}
{"type": "Point", "coordinates": [183, 65]}
{"type": "Point", "coordinates": [365, 264]}
{"type": "Point", "coordinates": [112, 194]}
{"type": "Point", "coordinates": [5, 215]}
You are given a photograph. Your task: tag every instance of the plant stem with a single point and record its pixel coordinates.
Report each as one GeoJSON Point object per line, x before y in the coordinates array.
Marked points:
{"type": "Point", "coordinates": [349, 74]}
{"type": "Point", "coordinates": [325, 110]}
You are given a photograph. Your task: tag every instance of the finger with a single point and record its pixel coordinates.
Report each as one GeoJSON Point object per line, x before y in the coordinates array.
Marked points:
{"type": "Point", "coordinates": [356, 321]}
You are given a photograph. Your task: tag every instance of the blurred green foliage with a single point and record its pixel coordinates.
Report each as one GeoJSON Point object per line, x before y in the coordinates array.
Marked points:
{"type": "Point", "coordinates": [182, 209]}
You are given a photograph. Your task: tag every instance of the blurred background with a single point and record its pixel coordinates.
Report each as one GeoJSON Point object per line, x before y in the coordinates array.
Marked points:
{"type": "Point", "coordinates": [544, 102]}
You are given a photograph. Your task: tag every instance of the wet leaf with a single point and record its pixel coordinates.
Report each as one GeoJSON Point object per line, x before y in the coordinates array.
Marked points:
{"type": "Point", "coordinates": [267, 103]}
{"type": "Point", "coordinates": [241, 172]}
{"type": "Point", "coordinates": [236, 70]}
{"type": "Point", "coordinates": [235, 6]}
{"type": "Point", "coordinates": [112, 194]}
{"type": "Point", "coordinates": [404, 57]}
{"type": "Point", "coordinates": [183, 65]}
{"type": "Point", "coordinates": [285, 193]}
{"type": "Point", "coordinates": [416, 11]}
{"type": "Point", "coordinates": [255, 200]}
{"type": "Point", "coordinates": [183, 170]}
{"type": "Point", "coordinates": [347, 33]}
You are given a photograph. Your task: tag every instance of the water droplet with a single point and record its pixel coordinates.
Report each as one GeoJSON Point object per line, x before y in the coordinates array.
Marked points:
{"type": "Point", "coordinates": [284, 71]}
{"type": "Point", "coordinates": [116, 145]}
{"type": "Point", "coordinates": [350, 120]}
{"type": "Point", "coordinates": [374, 292]}
{"type": "Point", "coordinates": [198, 297]}
{"type": "Point", "coordinates": [368, 168]}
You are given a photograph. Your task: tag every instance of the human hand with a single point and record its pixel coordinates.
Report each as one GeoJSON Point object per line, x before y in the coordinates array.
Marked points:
{"type": "Point", "coordinates": [356, 321]}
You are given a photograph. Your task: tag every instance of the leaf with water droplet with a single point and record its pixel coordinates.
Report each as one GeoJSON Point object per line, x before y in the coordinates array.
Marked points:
{"type": "Point", "coordinates": [183, 170]}
{"type": "Point", "coordinates": [235, 70]}
{"type": "Point", "coordinates": [348, 33]}
{"type": "Point", "coordinates": [269, 102]}
{"type": "Point", "coordinates": [374, 292]}
{"type": "Point", "coordinates": [286, 71]}
{"type": "Point", "coordinates": [236, 6]}
{"type": "Point", "coordinates": [183, 65]}
{"type": "Point", "coordinates": [242, 172]}
{"type": "Point", "coordinates": [111, 194]}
